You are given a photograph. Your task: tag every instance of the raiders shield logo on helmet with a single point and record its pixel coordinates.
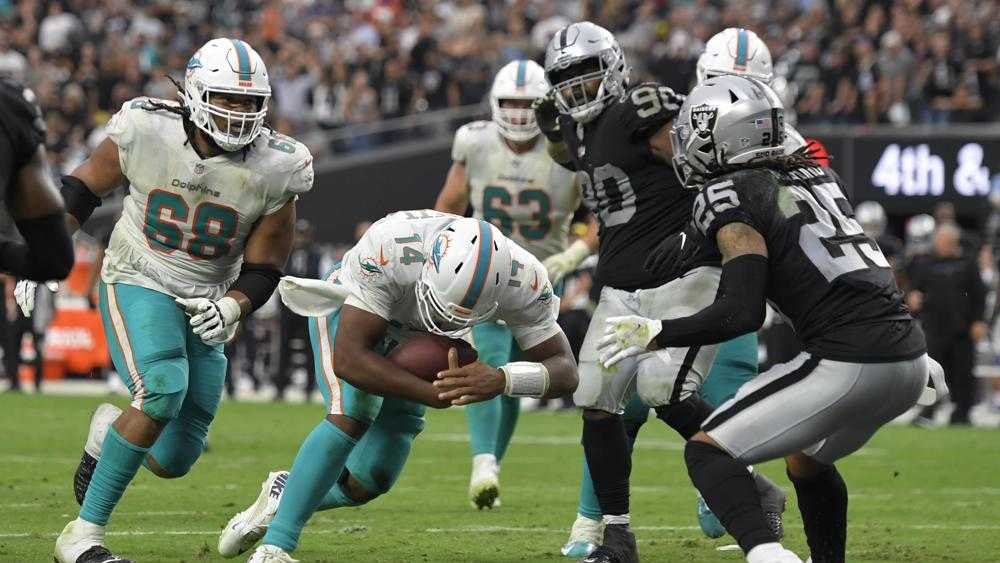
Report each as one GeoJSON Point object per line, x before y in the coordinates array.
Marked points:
{"type": "Point", "coordinates": [703, 120]}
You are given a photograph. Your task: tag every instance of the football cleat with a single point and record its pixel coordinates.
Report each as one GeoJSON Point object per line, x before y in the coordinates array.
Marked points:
{"type": "Point", "coordinates": [619, 546]}
{"type": "Point", "coordinates": [271, 554]}
{"type": "Point", "coordinates": [709, 523]}
{"type": "Point", "coordinates": [484, 486]}
{"type": "Point", "coordinates": [772, 501]}
{"type": "Point", "coordinates": [584, 538]}
{"type": "Point", "coordinates": [100, 422]}
{"type": "Point", "coordinates": [246, 528]}
{"type": "Point", "coordinates": [83, 542]}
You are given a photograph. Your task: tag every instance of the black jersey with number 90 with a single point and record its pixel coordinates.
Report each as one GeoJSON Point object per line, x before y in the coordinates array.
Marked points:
{"type": "Point", "coordinates": [634, 194]}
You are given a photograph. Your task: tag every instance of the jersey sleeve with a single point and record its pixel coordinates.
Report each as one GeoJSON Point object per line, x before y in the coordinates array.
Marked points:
{"type": "Point", "coordinates": [742, 197]}
{"type": "Point", "coordinates": [530, 308]}
{"type": "Point", "coordinates": [465, 138]}
{"type": "Point", "coordinates": [296, 172]}
{"type": "Point", "coordinates": [367, 273]}
{"type": "Point", "coordinates": [648, 107]}
{"type": "Point", "coordinates": [124, 128]}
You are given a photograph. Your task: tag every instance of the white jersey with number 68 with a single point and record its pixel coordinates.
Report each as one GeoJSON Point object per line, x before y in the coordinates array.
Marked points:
{"type": "Point", "coordinates": [529, 197]}
{"type": "Point", "coordinates": [186, 219]}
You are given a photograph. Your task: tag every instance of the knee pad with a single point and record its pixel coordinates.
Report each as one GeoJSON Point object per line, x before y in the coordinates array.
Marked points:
{"type": "Point", "coordinates": [164, 383]}
{"type": "Point", "coordinates": [686, 416]}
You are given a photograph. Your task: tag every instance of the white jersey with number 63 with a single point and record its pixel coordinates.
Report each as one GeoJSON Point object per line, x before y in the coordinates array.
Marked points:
{"type": "Point", "coordinates": [529, 197]}
{"type": "Point", "coordinates": [186, 219]}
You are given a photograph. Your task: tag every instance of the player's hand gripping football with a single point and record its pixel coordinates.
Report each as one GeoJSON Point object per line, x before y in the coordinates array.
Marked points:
{"type": "Point", "coordinates": [213, 321]}
{"type": "Point", "coordinates": [547, 116]}
{"type": "Point", "coordinates": [625, 337]}
{"type": "Point", "coordinates": [470, 383]}
{"type": "Point", "coordinates": [24, 294]}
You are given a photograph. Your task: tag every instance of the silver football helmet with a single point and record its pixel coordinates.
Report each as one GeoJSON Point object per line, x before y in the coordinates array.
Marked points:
{"type": "Point", "coordinates": [586, 67]}
{"type": "Point", "coordinates": [872, 217]}
{"type": "Point", "coordinates": [726, 120]}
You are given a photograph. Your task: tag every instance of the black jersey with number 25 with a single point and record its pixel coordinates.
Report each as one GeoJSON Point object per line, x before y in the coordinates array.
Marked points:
{"type": "Point", "coordinates": [635, 195]}
{"type": "Point", "coordinates": [825, 276]}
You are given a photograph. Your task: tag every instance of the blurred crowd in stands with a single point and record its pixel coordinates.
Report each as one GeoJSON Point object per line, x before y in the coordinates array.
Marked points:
{"type": "Point", "coordinates": [342, 63]}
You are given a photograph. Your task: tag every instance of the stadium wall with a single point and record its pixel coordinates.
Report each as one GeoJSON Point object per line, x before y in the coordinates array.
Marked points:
{"type": "Point", "coordinates": [908, 170]}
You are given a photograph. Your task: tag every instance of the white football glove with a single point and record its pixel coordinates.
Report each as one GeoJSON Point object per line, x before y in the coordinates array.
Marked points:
{"type": "Point", "coordinates": [214, 321]}
{"type": "Point", "coordinates": [625, 337]}
{"type": "Point", "coordinates": [24, 294]}
{"type": "Point", "coordinates": [558, 265]}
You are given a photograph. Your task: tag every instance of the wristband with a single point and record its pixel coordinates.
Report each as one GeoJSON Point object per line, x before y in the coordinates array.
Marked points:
{"type": "Point", "coordinates": [525, 379]}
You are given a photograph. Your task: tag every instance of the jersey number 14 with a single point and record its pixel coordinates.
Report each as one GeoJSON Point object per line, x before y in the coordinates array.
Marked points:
{"type": "Point", "coordinates": [213, 226]}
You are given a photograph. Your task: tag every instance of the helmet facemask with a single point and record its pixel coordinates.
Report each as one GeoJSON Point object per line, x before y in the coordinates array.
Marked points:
{"type": "Point", "coordinates": [447, 319]}
{"type": "Point", "coordinates": [230, 129]}
{"type": "Point", "coordinates": [585, 85]}
{"type": "Point", "coordinates": [516, 124]}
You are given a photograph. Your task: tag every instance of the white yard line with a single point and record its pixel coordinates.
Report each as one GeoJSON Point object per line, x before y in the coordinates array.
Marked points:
{"type": "Point", "coordinates": [473, 530]}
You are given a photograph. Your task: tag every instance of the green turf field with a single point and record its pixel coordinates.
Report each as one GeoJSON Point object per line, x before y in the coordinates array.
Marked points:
{"type": "Point", "coordinates": [916, 495]}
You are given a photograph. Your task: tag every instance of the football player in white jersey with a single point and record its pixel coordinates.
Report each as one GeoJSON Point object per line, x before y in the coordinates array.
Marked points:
{"type": "Point", "coordinates": [206, 228]}
{"type": "Point", "coordinates": [413, 272]}
{"type": "Point", "coordinates": [502, 169]}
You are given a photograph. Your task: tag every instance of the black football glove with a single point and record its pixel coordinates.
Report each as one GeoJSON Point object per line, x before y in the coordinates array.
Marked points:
{"type": "Point", "coordinates": [671, 257]}
{"type": "Point", "coordinates": [547, 116]}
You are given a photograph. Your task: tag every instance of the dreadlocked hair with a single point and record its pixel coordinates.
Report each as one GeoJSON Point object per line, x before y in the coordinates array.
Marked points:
{"type": "Point", "coordinates": [180, 109]}
{"type": "Point", "coordinates": [802, 157]}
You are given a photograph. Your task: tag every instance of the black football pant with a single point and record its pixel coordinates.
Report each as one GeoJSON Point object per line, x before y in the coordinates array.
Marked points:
{"type": "Point", "coordinates": [957, 356]}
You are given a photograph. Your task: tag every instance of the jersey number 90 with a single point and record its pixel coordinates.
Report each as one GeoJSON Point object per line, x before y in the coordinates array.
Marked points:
{"type": "Point", "coordinates": [212, 225]}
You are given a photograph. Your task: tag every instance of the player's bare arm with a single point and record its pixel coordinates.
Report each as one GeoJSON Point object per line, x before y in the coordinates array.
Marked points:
{"type": "Point", "coordinates": [267, 249]}
{"type": "Point", "coordinates": [92, 180]}
{"type": "Point", "coordinates": [358, 363]}
{"type": "Point", "coordinates": [659, 143]}
{"type": "Point", "coordinates": [454, 196]}
{"type": "Point", "coordinates": [479, 382]}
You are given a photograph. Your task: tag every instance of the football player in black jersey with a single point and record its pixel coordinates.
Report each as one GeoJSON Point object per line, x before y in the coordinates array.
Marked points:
{"type": "Point", "coordinates": [29, 194]}
{"type": "Point", "coordinates": [787, 234]}
{"type": "Point", "coordinates": [617, 137]}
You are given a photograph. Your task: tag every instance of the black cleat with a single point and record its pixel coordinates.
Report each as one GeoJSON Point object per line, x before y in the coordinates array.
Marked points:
{"type": "Point", "coordinates": [619, 546]}
{"type": "Point", "coordinates": [84, 473]}
{"type": "Point", "coordinates": [100, 554]}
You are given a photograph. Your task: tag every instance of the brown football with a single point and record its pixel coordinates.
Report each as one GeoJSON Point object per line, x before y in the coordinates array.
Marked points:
{"type": "Point", "coordinates": [424, 355]}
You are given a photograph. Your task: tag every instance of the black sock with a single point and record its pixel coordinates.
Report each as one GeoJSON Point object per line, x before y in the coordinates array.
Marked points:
{"type": "Point", "coordinates": [607, 449]}
{"type": "Point", "coordinates": [729, 491]}
{"type": "Point", "coordinates": [686, 416]}
{"type": "Point", "coordinates": [823, 504]}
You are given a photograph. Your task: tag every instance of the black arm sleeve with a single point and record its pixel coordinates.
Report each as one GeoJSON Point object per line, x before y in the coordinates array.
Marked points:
{"type": "Point", "coordinates": [46, 253]}
{"type": "Point", "coordinates": [738, 307]}
{"type": "Point", "coordinates": [257, 282]}
{"type": "Point", "coordinates": [80, 201]}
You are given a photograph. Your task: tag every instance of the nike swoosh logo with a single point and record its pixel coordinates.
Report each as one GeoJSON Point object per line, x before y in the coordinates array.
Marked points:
{"type": "Point", "coordinates": [534, 283]}
{"type": "Point", "coordinates": [381, 257]}
{"type": "Point", "coordinates": [683, 239]}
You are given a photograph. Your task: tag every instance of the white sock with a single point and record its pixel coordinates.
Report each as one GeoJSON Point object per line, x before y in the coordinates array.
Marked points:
{"type": "Point", "coordinates": [764, 552]}
{"type": "Point", "coordinates": [610, 519]}
{"type": "Point", "coordinates": [487, 461]}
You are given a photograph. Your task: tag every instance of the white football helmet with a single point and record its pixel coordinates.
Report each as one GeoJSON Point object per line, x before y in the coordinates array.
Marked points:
{"type": "Point", "coordinates": [735, 51]}
{"type": "Point", "coordinates": [462, 282]}
{"type": "Point", "coordinates": [226, 66]}
{"type": "Point", "coordinates": [872, 217]}
{"type": "Point", "coordinates": [577, 55]}
{"type": "Point", "coordinates": [518, 80]}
